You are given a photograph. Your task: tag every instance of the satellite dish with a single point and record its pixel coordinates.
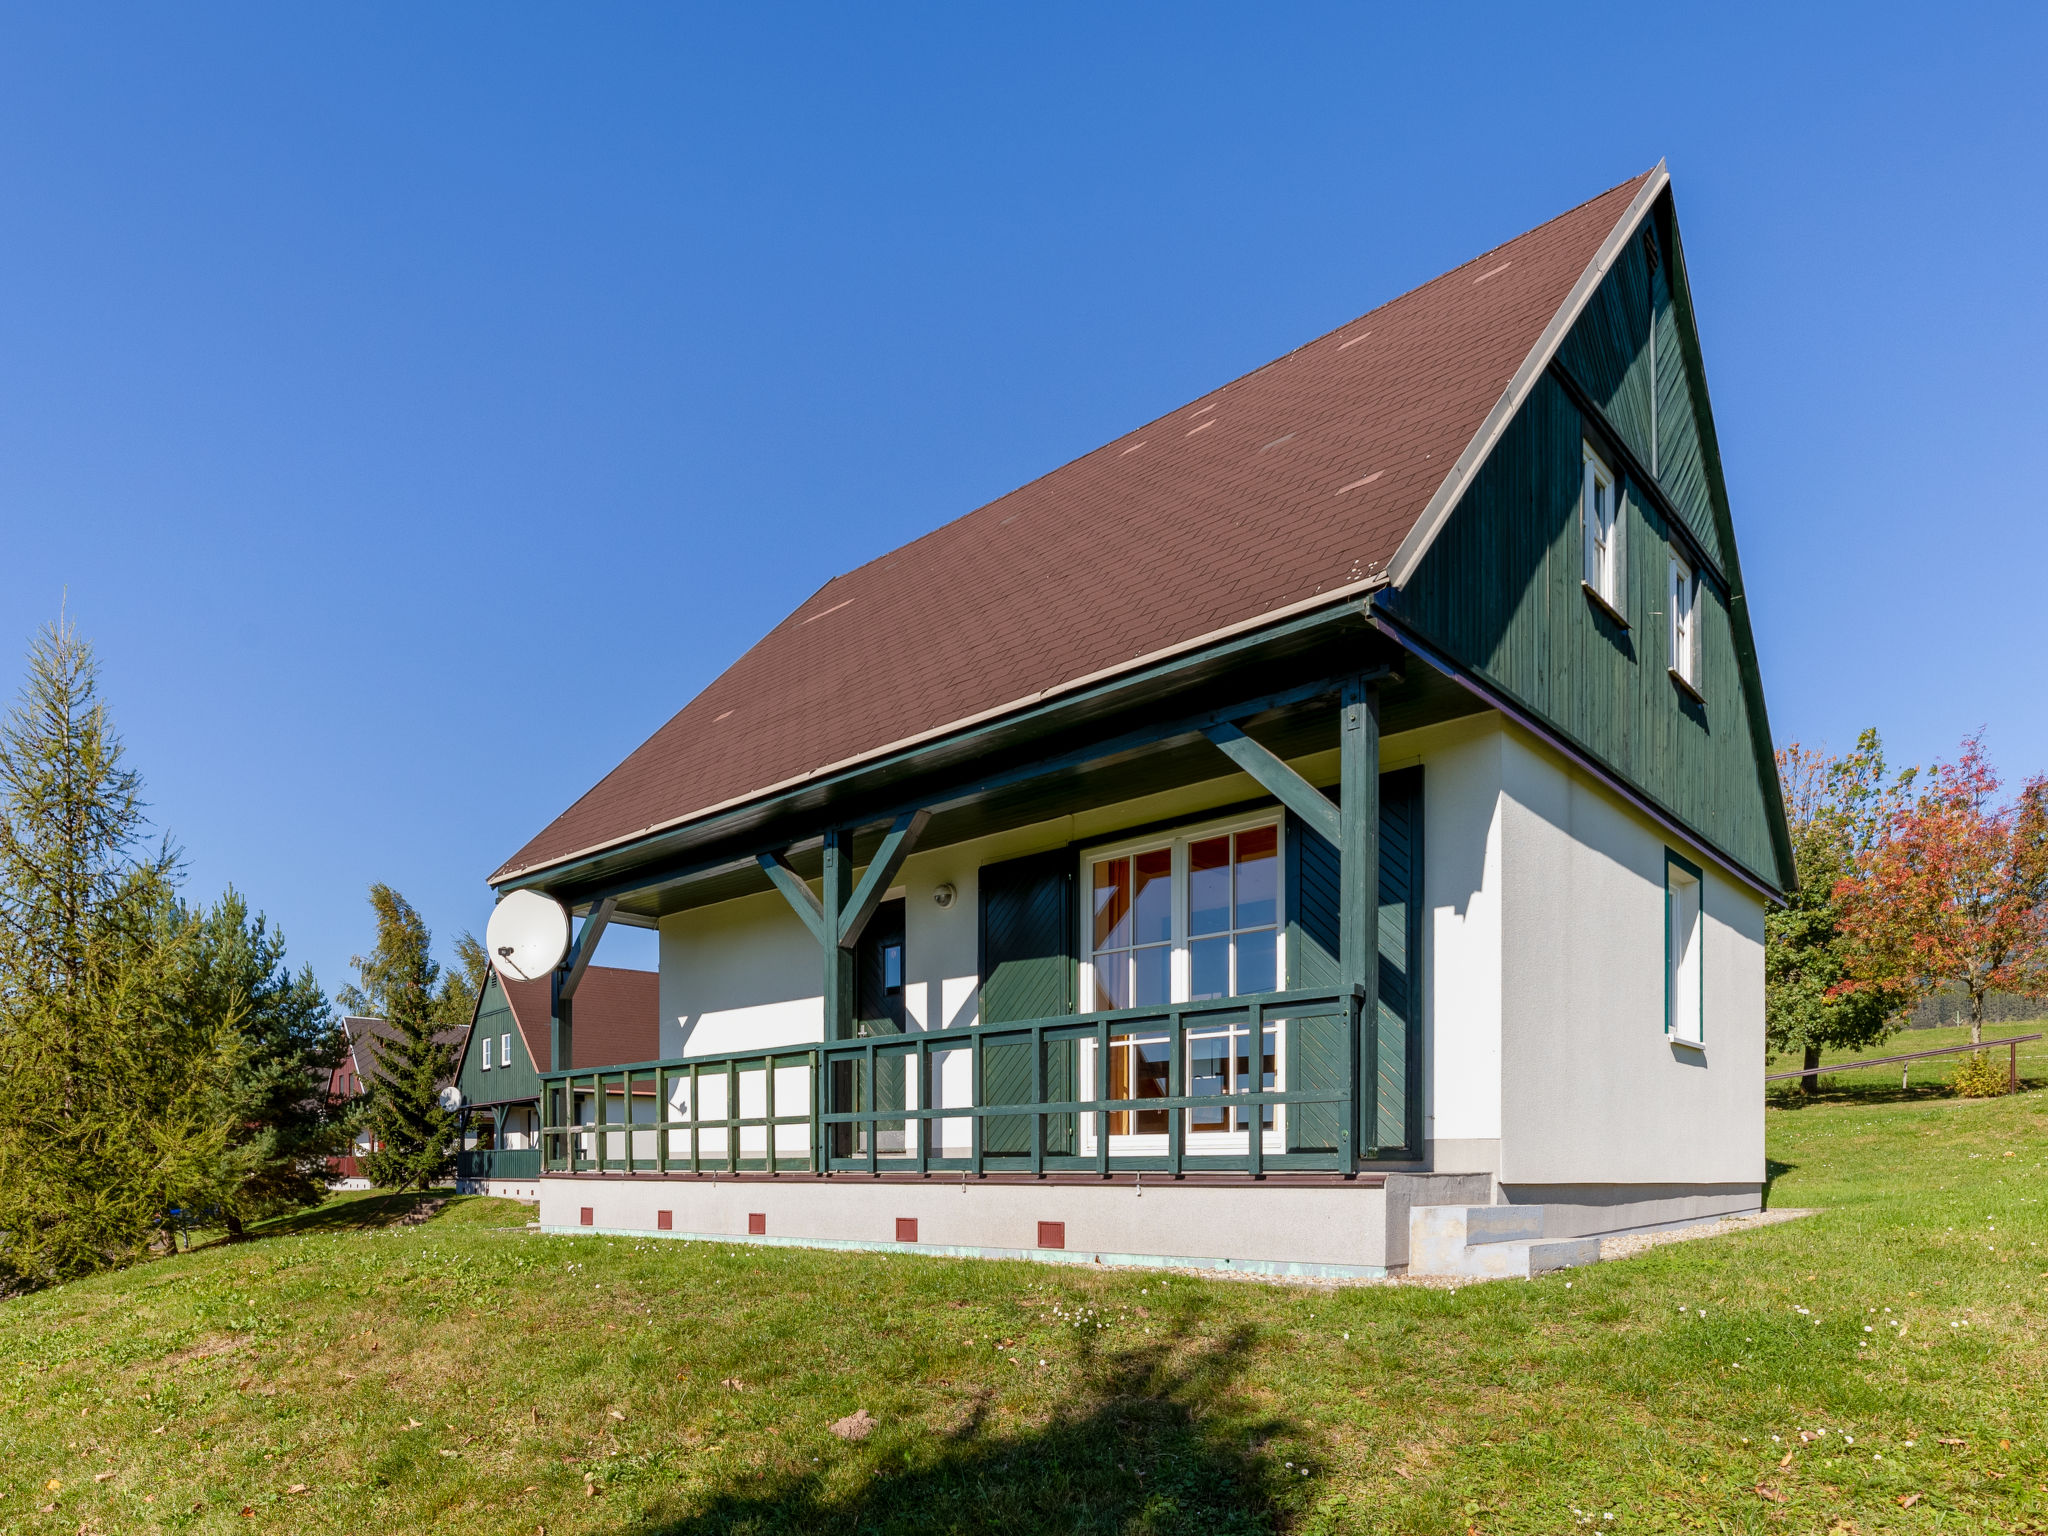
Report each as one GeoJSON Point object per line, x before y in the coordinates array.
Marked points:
{"type": "Point", "coordinates": [527, 936]}
{"type": "Point", "coordinates": [451, 1098]}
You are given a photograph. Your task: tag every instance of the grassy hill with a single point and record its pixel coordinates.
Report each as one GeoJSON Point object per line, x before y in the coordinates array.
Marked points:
{"type": "Point", "coordinates": [466, 1375]}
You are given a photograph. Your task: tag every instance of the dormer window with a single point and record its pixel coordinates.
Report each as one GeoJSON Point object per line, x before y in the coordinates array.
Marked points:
{"type": "Point", "coordinates": [1599, 514]}
{"type": "Point", "coordinates": [1685, 623]}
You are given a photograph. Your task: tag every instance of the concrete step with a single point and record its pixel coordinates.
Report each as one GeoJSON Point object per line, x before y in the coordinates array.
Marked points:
{"type": "Point", "coordinates": [1490, 1242]}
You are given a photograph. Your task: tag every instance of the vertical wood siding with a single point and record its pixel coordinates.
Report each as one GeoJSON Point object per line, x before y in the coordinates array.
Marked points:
{"type": "Point", "coordinates": [494, 1019]}
{"type": "Point", "coordinates": [1500, 593]}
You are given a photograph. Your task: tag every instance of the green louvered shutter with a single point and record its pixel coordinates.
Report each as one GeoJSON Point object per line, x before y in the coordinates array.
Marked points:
{"type": "Point", "coordinates": [1028, 969]}
{"type": "Point", "coordinates": [1317, 1052]}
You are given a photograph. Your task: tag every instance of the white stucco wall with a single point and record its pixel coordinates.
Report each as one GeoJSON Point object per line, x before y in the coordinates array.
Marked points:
{"type": "Point", "coordinates": [1592, 1090]}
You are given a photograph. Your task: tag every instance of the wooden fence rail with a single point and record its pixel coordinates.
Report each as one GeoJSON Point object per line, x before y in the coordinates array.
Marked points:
{"type": "Point", "coordinates": [2012, 1066]}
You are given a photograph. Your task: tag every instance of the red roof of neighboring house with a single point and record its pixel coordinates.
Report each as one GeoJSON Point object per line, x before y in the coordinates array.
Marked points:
{"type": "Point", "coordinates": [617, 1020]}
{"type": "Point", "coordinates": [368, 1038]}
{"type": "Point", "coordinates": [1279, 490]}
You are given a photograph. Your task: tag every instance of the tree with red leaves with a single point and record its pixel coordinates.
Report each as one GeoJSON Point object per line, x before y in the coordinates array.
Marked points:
{"type": "Point", "coordinates": [1957, 891]}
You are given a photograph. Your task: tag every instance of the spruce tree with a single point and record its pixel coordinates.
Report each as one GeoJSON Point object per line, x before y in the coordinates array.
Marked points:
{"type": "Point", "coordinates": [234, 975]}
{"type": "Point", "coordinates": [396, 982]}
{"type": "Point", "coordinates": [108, 1114]}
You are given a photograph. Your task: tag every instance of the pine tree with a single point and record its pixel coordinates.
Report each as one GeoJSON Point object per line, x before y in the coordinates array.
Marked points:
{"type": "Point", "coordinates": [107, 1114]}
{"type": "Point", "coordinates": [397, 981]}
{"type": "Point", "coordinates": [234, 975]}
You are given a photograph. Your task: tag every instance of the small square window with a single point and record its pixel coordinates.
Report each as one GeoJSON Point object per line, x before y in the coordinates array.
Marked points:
{"type": "Point", "coordinates": [487, 1053]}
{"type": "Point", "coordinates": [1684, 971]}
{"type": "Point", "coordinates": [1685, 622]}
{"type": "Point", "coordinates": [1600, 516]}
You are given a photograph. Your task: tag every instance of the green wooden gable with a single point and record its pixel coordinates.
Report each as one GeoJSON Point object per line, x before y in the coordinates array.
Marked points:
{"type": "Point", "coordinates": [1499, 588]}
{"type": "Point", "coordinates": [494, 1020]}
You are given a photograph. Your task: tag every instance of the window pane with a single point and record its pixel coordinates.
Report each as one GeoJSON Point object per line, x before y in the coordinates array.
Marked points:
{"type": "Point", "coordinates": [1152, 1069]}
{"type": "Point", "coordinates": [1209, 885]}
{"type": "Point", "coordinates": [1151, 976]}
{"type": "Point", "coordinates": [1258, 877]}
{"type": "Point", "coordinates": [1152, 900]}
{"type": "Point", "coordinates": [1208, 969]}
{"type": "Point", "coordinates": [892, 967]}
{"type": "Point", "coordinates": [1208, 1073]}
{"type": "Point", "coordinates": [1113, 979]}
{"type": "Point", "coordinates": [1258, 956]}
{"type": "Point", "coordinates": [1112, 903]}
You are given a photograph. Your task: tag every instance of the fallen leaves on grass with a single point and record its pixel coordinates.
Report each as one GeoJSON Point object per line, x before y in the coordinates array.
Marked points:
{"type": "Point", "coordinates": [856, 1426]}
{"type": "Point", "coordinates": [1908, 1500]}
{"type": "Point", "coordinates": [1787, 1461]}
{"type": "Point", "coordinates": [733, 1383]}
{"type": "Point", "coordinates": [1764, 1491]}
{"type": "Point", "coordinates": [101, 1477]}
{"type": "Point", "coordinates": [1949, 1440]}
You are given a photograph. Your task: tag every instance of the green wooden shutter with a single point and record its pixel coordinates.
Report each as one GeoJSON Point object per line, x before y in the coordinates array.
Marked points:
{"type": "Point", "coordinates": [1028, 969]}
{"type": "Point", "coordinates": [1317, 1052]}
{"type": "Point", "coordinates": [1317, 1055]}
{"type": "Point", "coordinates": [1398, 1072]}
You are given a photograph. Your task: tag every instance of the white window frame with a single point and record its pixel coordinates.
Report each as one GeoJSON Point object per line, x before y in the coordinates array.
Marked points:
{"type": "Point", "coordinates": [487, 1053]}
{"type": "Point", "coordinates": [1180, 980]}
{"type": "Point", "coordinates": [1601, 524]}
{"type": "Point", "coordinates": [1685, 931]}
{"type": "Point", "coordinates": [1684, 598]}
{"type": "Point", "coordinates": [505, 1049]}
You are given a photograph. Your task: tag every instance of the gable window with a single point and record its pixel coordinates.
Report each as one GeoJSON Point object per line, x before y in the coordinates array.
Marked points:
{"type": "Point", "coordinates": [505, 1049]}
{"type": "Point", "coordinates": [1685, 623]}
{"type": "Point", "coordinates": [1600, 517]}
{"type": "Point", "coordinates": [1187, 918]}
{"type": "Point", "coordinates": [487, 1053]}
{"type": "Point", "coordinates": [1684, 974]}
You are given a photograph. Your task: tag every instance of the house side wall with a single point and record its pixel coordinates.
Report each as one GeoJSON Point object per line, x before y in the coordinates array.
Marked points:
{"type": "Point", "coordinates": [1594, 1093]}
{"type": "Point", "coordinates": [494, 1019]}
{"type": "Point", "coordinates": [1461, 788]}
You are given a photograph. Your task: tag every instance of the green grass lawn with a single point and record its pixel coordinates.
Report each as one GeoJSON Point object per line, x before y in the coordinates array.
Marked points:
{"type": "Point", "coordinates": [466, 1375]}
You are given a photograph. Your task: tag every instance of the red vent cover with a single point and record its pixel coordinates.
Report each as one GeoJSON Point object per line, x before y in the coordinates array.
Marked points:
{"type": "Point", "coordinates": [589, 1217]}
{"type": "Point", "coordinates": [1052, 1234]}
{"type": "Point", "coordinates": [664, 1221]}
{"type": "Point", "coordinates": [757, 1223]}
{"type": "Point", "coordinates": [906, 1229]}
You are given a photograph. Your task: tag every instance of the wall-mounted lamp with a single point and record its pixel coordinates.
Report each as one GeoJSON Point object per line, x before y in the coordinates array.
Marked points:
{"type": "Point", "coordinates": [945, 895]}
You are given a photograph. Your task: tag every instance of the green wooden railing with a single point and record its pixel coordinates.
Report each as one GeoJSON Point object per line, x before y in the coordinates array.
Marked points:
{"type": "Point", "coordinates": [867, 1105]}
{"type": "Point", "coordinates": [498, 1163]}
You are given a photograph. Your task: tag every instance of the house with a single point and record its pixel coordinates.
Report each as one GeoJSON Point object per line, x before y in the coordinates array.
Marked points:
{"type": "Point", "coordinates": [1325, 829]}
{"type": "Point", "coordinates": [361, 1064]}
{"type": "Point", "coordinates": [505, 1054]}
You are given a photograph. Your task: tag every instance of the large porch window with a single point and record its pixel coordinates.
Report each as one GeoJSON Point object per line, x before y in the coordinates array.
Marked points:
{"type": "Point", "coordinates": [1185, 918]}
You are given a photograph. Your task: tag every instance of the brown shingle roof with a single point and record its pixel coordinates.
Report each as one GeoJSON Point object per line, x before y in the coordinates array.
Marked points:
{"type": "Point", "coordinates": [618, 1017]}
{"type": "Point", "coordinates": [1296, 481]}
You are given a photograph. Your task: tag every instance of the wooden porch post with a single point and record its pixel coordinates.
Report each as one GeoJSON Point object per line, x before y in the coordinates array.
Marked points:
{"type": "Point", "coordinates": [838, 897]}
{"type": "Point", "coordinates": [1358, 855]}
{"type": "Point", "coordinates": [561, 1027]}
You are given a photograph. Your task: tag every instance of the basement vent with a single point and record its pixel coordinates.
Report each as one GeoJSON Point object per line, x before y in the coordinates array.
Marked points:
{"type": "Point", "coordinates": [664, 1221]}
{"type": "Point", "coordinates": [757, 1223]}
{"type": "Point", "coordinates": [906, 1229]}
{"type": "Point", "coordinates": [1052, 1234]}
{"type": "Point", "coordinates": [589, 1217]}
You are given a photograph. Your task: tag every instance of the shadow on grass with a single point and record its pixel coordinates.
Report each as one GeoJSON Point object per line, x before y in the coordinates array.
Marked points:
{"type": "Point", "coordinates": [1773, 1171]}
{"type": "Point", "coordinates": [1152, 1439]}
{"type": "Point", "coordinates": [1834, 1092]}
{"type": "Point", "coordinates": [351, 1213]}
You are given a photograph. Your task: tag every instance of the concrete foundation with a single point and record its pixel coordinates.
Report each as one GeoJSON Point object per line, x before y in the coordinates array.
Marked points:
{"type": "Point", "coordinates": [1359, 1229]}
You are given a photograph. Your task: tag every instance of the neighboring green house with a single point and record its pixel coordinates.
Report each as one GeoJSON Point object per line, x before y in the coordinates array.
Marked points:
{"type": "Point", "coordinates": [499, 1071]}
{"type": "Point", "coordinates": [1327, 829]}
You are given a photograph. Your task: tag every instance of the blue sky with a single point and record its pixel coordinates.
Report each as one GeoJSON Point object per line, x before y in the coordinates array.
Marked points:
{"type": "Point", "coordinates": [419, 404]}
